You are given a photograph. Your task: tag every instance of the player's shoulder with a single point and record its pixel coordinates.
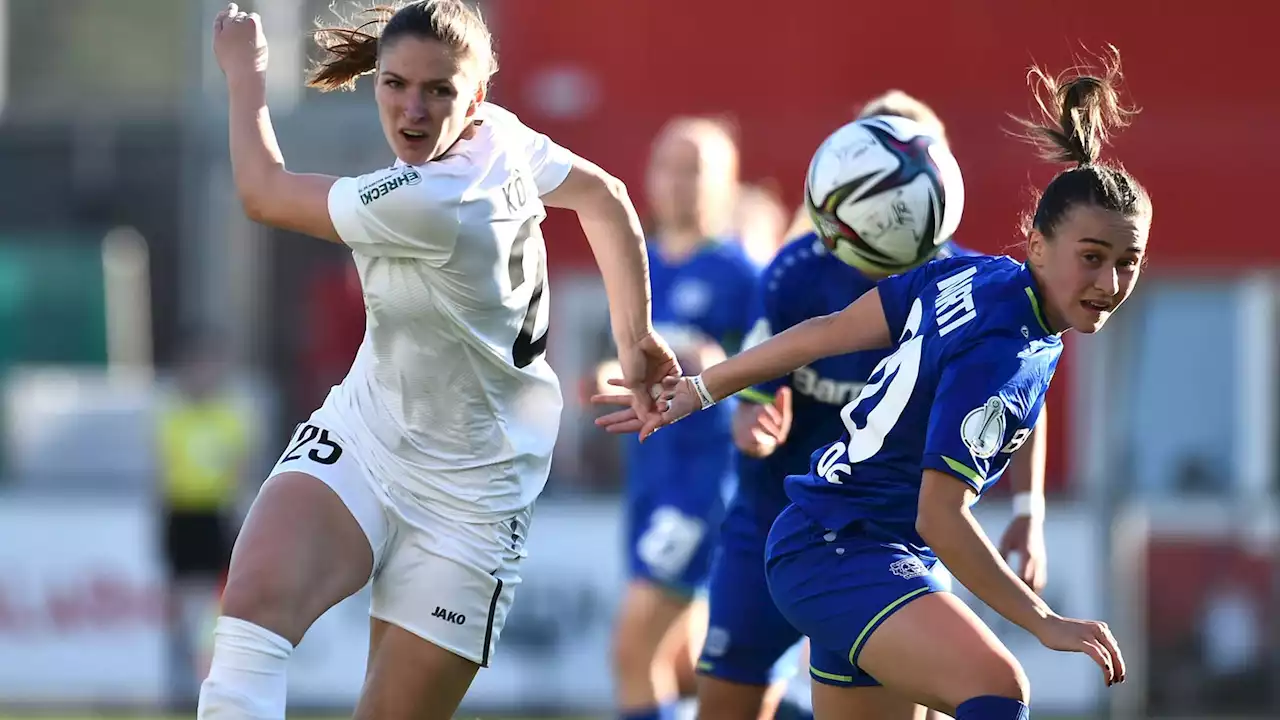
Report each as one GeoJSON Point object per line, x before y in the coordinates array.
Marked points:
{"type": "Point", "coordinates": [498, 118]}
{"type": "Point", "coordinates": [797, 258]}
{"type": "Point", "coordinates": [1000, 312]}
{"type": "Point", "coordinates": [391, 185]}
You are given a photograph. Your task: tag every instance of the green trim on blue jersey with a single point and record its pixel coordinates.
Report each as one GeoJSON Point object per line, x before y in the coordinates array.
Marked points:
{"type": "Point", "coordinates": [866, 631]}
{"type": "Point", "coordinates": [829, 676]}
{"type": "Point", "coordinates": [1035, 308]}
{"type": "Point", "coordinates": [969, 473]}
{"type": "Point", "coordinates": [753, 395]}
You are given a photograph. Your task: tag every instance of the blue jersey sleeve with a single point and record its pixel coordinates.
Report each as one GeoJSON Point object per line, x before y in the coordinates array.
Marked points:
{"type": "Point", "coordinates": [980, 403]}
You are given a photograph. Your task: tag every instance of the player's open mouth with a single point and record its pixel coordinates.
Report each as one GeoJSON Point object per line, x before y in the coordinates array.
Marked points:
{"type": "Point", "coordinates": [1096, 306]}
{"type": "Point", "coordinates": [413, 135]}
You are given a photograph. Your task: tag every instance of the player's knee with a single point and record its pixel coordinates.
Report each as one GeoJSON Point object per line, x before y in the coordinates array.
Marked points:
{"type": "Point", "coordinates": [633, 652]}
{"type": "Point", "coordinates": [256, 594]}
{"type": "Point", "coordinates": [1001, 675]}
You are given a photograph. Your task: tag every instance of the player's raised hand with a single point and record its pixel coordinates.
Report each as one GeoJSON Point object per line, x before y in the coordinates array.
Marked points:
{"type": "Point", "coordinates": [238, 41]}
{"type": "Point", "coordinates": [645, 364]}
{"type": "Point", "coordinates": [677, 399]}
{"type": "Point", "coordinates": [1084, 636]}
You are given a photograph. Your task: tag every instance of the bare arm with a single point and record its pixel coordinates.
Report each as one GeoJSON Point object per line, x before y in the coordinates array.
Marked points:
{"type": "Point", "coordinates": [1027, 466]}
{"type": "Point", "coordinates": [860, 326]}
{"type": "Point", "coordinates": [270, 194]}
{"type": "Point", "coordinates": [613, 230]}
{"type": "Point", "coordinates": [946, 525]}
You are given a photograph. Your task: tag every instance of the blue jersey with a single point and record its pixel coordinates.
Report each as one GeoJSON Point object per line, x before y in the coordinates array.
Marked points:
{"type": "Point", "coordinates": [708, 296]}
{"type": "Point", "coordinates": [805, 281]}
{"type": "Point", "coordinates": [960, 393]}
{"type": "Point", "coordinates": [677, 478]}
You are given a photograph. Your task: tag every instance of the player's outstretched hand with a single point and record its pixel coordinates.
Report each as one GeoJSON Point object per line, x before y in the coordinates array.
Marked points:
{"type": "Point", "coordinates": [676, 399]}
{"type": "Point", "coordinates": [645, 363]}
{"type": "Point", "coordinates": [1084, 636]}
{"type": "Point", "coordinates": [238, 41]}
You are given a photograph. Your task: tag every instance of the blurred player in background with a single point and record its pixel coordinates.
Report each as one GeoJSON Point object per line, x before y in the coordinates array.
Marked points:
{"type": "Point", "coordinates": [420, 470]}
{"type": "Point", "coordinates": [849, 561]}
{"type": "Point", "coordinates": [702, 281]}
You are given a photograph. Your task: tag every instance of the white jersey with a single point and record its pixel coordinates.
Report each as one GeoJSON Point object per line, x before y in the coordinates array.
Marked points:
{"type": "Point", "coordinates": [450, 396]}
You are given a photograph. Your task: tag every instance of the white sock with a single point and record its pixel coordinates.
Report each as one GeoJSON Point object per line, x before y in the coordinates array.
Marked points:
{"type": "Point", "coordinates": [247, 678]}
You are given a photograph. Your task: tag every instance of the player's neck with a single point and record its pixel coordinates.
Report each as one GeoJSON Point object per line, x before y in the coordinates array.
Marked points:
{"type": "Point", "coordinates": [677, 245]}
{"type": "Point", "coordinates": [1057, 323]}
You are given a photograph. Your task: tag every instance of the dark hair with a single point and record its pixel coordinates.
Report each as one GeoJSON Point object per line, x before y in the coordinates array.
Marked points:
{"type": "Point", "coordinates": [352, 49]}
{"type": "Point", "coordinates": [1081, 110]}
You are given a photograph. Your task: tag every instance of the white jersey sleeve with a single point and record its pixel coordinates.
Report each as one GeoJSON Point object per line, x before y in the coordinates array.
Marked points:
{"type": "Point", "coordinates": [549, 162]}
{"type": "Point", "coordinates": [396, 211]}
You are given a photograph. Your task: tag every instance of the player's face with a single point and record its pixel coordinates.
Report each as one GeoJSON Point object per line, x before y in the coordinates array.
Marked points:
{"type": "Point", "coordinates": [674, 174]}
{"type": "Point", "coordinates": [1089, 266]}
{"type": "Point", "coordinates": [427, 95]}
{"type": "Point", "coordinates": [689, 181]}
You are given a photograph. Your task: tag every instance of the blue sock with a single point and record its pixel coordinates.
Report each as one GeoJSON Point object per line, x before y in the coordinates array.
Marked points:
{"type": "Point", "coordinates": [666, 711]}
{"type": "Point", "coordinates": [991, 707]}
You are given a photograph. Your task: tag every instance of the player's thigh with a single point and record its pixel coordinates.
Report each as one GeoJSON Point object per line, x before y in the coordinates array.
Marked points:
{"type": "Point", "coordinates": [936, 650]}
{"type": "Point", "coordinates": [449, 583]}
{"type": "Point", "coordinates": [682, 644]}
{"type": "Point", "coordinates": [831, 702]}
{"type": "Point", "coordinates": [724, 700]}
{"type": "Point", "coordinates": [310, 540]}
{"type": "Point", "coordinates": [410, 678]}
{"type": "Point", "coordinates": [649, 618]}
{"type": "Point", "coordinates": [839, 588]}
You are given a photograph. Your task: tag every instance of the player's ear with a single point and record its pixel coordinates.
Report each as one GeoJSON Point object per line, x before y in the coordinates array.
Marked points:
{"type": "Point", "coordinates": [1037, 248]}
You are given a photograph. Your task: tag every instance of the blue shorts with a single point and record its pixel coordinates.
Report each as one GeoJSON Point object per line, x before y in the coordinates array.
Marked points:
{"type": "Point", "coordinates": [838, 587]}
{"type": "Point", "coordinates": [675, 504]}
{"type": "Point", "coordinates": [746, 636]}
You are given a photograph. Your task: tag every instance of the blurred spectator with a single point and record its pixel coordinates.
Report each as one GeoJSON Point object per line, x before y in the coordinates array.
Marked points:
{"type": "Point", "coordinates": [204, 445]}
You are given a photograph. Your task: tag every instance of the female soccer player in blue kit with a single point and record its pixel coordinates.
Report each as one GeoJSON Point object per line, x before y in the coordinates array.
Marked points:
{"type": "Point", "coordinates": [776, 425]}
{"type": "Point", "coordinates": [976, 342]}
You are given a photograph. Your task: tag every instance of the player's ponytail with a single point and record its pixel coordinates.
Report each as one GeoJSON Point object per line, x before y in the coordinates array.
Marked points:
{"type": "Point", "coordinates": [350, 49]}
{"type": "Point", "coordinates": [1080, 111]}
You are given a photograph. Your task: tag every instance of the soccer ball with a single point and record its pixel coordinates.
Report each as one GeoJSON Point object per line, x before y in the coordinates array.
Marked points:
{"type": "Point", "coordinates": [884, 194]}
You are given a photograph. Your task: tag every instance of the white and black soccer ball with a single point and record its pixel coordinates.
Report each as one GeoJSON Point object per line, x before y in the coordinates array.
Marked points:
{"type": "Point", "coordinates": [884, 194]}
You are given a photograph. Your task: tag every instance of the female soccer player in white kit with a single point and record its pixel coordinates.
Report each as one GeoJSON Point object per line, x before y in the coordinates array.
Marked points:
{"type": "Point", "coordinates": [420, 469]}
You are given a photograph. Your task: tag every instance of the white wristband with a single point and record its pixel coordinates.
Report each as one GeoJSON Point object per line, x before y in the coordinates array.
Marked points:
{"type": "Point", "coordinates": [1028, 504]}
{"type": "Point", "coordinates": [700, 388]}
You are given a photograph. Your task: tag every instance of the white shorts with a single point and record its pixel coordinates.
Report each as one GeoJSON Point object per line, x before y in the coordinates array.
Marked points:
{"type": "Point", "coordinates": [448, 582]}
